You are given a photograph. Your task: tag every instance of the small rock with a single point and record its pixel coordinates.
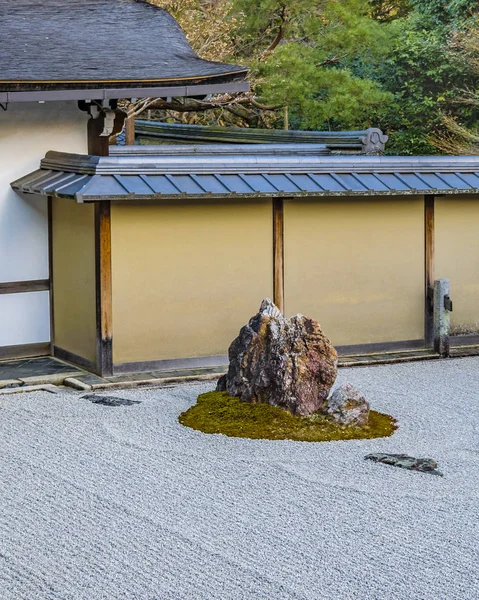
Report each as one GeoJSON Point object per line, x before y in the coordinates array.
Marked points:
{"type": "Point", "coordinates": [288, 363]}
{"type": "Point", "coordinates": [404, 461]}
{"type": "Point", "coordinates": [347, 406]}
{"type": "Point", "coordinates": [110, 400]}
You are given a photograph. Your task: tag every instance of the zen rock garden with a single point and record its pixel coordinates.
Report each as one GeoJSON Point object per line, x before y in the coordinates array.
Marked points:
{"type": "Point", "coordinates": [279, 385]}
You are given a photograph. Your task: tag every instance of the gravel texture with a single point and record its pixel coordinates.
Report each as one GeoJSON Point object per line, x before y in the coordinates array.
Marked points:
{"type": "Point", "coordinates": [102, 502]}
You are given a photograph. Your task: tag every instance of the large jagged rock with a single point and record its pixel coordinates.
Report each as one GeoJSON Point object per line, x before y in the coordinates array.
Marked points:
{"type": "Point", "coordinates": [285, 362]}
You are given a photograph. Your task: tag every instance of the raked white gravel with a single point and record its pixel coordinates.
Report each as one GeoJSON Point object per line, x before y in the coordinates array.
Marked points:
{"type": "Point", "coordinates": [124, 503]}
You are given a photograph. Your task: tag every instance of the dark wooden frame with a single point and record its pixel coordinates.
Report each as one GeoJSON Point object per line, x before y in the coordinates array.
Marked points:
{"type": "Point", "coordinates": [173, 364]}
{"type": "Point", "coordinates": [429, 204]}
{"type": "Point", "coordinates": [457, 341]}
{"type": "Point", "coordinates": [377, 347]}
{"type": "Point", "coordinates": [50, 272]}
{"type": "Point", "coordinates": [74, 359]}
{"type": "Point", "coordinates": [24, 351]}
{"type": "Point", "coordinates": [22, 287]}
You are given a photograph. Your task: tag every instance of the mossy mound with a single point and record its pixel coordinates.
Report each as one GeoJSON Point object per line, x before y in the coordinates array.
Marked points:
{"type": "Point", "coordinates": [216, 412]}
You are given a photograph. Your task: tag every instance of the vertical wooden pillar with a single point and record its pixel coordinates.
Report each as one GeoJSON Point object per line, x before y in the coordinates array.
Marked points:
{"type": "Point", "coordinates": [50, 274]}
{"type": "Point", "coordinates": [429, 270]}
{"type": "Point", "coordinates": [278, 253]}
{"type": "Point", "coordinates": [104, 329]}
{"type": "Point", "coordinates": [99, 145]}
{"type": "Point", "coordinates": [130, 131]}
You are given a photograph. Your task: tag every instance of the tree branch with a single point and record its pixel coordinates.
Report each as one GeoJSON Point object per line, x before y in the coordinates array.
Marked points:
{"type": "Point", "coordinates": [283, 15]}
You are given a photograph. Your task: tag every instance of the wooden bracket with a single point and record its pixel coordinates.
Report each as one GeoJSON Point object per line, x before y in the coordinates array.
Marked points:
{"type": "Point", "coordinates": [98, 144]}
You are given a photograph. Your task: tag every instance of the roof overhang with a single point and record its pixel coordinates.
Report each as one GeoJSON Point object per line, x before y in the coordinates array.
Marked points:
{"type": "Point", "coordinates": [102, 50]}
{"type": "Point", "coordinates": [225, 171]}
{"type": "Point", "coordinates": [202, 89]}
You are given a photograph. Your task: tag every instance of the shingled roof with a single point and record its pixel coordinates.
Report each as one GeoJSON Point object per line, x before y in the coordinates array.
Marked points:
{"type": "Point", "coordinates": [99, 44]}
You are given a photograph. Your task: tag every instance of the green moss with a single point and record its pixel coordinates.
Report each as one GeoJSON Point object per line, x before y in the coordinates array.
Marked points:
{"type": "Point", "coordinates": [216, 412]}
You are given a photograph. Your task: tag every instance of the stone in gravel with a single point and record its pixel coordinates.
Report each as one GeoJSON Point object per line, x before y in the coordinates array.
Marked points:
{"type": "Point", "coordinates": [347, 406]}
{"type": "Point", "coordinates": [404, 461]}
{"type": "Point", "coordinates": [110, 400]}
{"type": "Point", "coordinates": [288, 363]}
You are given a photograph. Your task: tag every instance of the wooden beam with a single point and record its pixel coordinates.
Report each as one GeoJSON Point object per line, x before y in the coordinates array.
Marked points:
{"type": "Point", "coordinates": [24, 351]}
{"type": "Point", "coordinates": [278, 253]}
{"type": "Point", "coordinates": [104, 352]}
{"type": "Point", "coordinates": [50, 273]}
{"type": "Point", "coordinates": [22, 287]}
{"type": "Point", "coordinates": [429, 270]}
{"type": "Point", "coordinates": [98, 144]}
{"type": "Point", "coordinates": [74, 359]}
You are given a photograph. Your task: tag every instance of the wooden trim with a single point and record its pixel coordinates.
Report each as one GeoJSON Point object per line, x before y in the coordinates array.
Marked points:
{"type": "Point", "coordinates": [221, 360]}
{"type": "Point", "coordinates": [74, 359]}
{"type": "Point", "coordinates": [24, 351]}
{"type": "Point", "coordinates": [464, 340]}
{"type": "Point", "coordinates": [174, 364]}
{"type": "Point", "coordinates": [429, 270]}
{"type": "Point", "coordinates": [104, 334]}
{"type": "Point", "coordinates": [50, 272]}
{"type": "Point", "coordinates": [278, 253]}
{"type": "Point", "coordinates": [380, 347]}
{"type": "Point", "coordinates": [22, 287]}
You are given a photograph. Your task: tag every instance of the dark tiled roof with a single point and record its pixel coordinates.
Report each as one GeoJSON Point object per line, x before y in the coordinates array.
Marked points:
{"type": "Point", "coordinates": [226, 171]}
{"type": "Point", "coordinates": [368, 141]}
{"type": "Point", "coordinates": [53, 44]}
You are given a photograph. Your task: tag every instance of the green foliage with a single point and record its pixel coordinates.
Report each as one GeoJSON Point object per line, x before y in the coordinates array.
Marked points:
{"type": "Point", "coordinates": [216, 412]}
{"type": "Point", "coordinates": [319, 97]}
{"type": "Point", "coordinates": [447, 12]}
{"type": "Point", "coordinates": [426, 78]}
{"type": "Point", "coordinates": [343, 64]}
{"type": "Point", "coordinates": [309, 70]}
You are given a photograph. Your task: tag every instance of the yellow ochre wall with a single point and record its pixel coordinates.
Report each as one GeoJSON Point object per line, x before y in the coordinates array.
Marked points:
{"type": "Point", "coordinates": [187, 276]}
{"type": "Point", "coordinates": [357, 266]}
{"type": "Point", "coordinates": [74, 277]}
{"type": "Point", "coordinates": [457, 257]}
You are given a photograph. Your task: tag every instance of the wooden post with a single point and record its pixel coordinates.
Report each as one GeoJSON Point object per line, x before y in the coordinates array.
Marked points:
{"type": "Point", "coordinates": [50, 274]}
{"type": "Point", "coordinates": [286, 118]}
{"type": "Point", "coordinates": [429, 270]}
{"type": "Point", "coordinates": [278, 253]}
{"type": "Point", "coordinates": [99, 145]}
{"type": "Point", "coordinates": [104, 329]}
{"type": "Point", "coordinates": [130, 131]}
{"type": "Point", "coordinates": [442, 316]}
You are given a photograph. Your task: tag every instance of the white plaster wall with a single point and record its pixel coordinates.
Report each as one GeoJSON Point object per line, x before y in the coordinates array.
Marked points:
{"type": "Point", "coordinates": [24, 318]}
{"type": "Point", "coordinates": [27, 132]}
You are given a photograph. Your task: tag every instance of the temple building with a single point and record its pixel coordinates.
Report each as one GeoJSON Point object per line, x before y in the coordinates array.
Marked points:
{"type": "Point", "coordinates": [150, 257]}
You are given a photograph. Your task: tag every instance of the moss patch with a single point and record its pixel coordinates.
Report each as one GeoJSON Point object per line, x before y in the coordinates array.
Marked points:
{"type": "Point", "coordinates": [216, 412]}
